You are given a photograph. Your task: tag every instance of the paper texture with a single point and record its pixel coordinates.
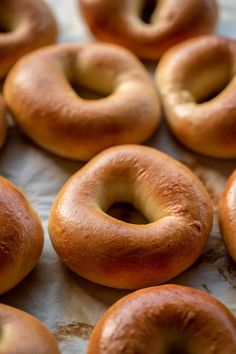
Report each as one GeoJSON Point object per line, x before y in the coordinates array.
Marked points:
{"type": "Point", "coordinates": [69, 305]}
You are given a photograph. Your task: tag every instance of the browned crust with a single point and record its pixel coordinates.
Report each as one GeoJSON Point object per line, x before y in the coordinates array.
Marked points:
{"type": "Point", "coordinates": [118, 22]}
{"type": "Point", "coordinates": [21, 236]}
{"type": "Point", "coordinates": [162, 319]}
{"type": "Point", "coordinates": [22, 333]}
{"type": "Point", "coordinates": [227, 215]}
{"type": "Point", "coordinates": [39, 94]}
{"type": "Point", "coordinates": [188, 72]}
{"type": "Point", "coordinates": [31, 24]}
{"type": "Point", "coordinates": [126, 255]}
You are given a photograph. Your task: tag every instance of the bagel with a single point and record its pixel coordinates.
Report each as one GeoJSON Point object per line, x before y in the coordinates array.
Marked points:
{"type": "Point", "coordinates": [187, 75]}
{"type": "Point", "coordinates": [114, 253]}
{"type": "Point", "coordinates": [21, 333]}
{"type": "Point", "coordinates": [25, 25]}
{"type": "Point", "coordinates": [39, 93]}
{"type": "Point", "coordinates": [3, 123]}
{"type": "Point", "coordinates": [227, 215]}
{"type": "Point", "coordinates": [21, 236]}
{"type": "Point", "coordinates": [121, 22]}
{"type": "Point", "coordinates": [165, 319]}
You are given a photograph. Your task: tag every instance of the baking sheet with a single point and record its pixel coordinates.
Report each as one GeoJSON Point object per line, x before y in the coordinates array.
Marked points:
{"type": "Point", "coordinates": [69, 305]}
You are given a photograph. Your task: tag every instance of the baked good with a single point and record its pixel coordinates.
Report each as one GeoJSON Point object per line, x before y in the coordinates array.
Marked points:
{"type": "Point", "coordinates": [114, 253]}
{"type": "Point", "coordinates": [25, 25]}
{"type": "Point", "coordinates": [165, 319]}
{"type": "Point", "coordinates": [227, 215]}
{"type": "Point", "coordinates": [196, 81]}
{"type": "Point", "coordinates": [21, 236]}
{"type": "Point", "coordinates": [22, 333]}
{"type": "Point", "coordinates": [40, 95]}
{"type": "Point", "coordinates": [149, 27]}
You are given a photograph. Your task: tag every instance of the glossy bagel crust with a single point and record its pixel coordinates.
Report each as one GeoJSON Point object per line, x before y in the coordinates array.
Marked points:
{"type": "Point", "coordinates": [189, 73]}
{"type": "Point", "coordinates": [21, 236]}
{"type": "Point", "coordinates": [227, 215]}
{"type": "Point", "coordinates": [25, 25]}
{"type": "Point", "coordinates": [21, 333]}
{"type": "Point", "coordinates": [3, 122]}
{"type": "Point", "coordinates": [119, 21]}
{"type": "Point", "coordinates": [39, 93]}
{"type": "Point", "coordinates": [165, 319]}
{"type": "Point", "coordinates": [114, 253]}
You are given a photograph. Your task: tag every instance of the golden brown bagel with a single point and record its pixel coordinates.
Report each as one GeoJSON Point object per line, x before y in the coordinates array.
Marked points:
{"type": "Point", "coordinates": [122, 255]}
{"type": "Point", "coordinates": [3, 123]}
{"type": "Point", "coordinates": [172, 21]}
{"type": "Point", "coordinates": [227, 215]}
{"type": "Point", "coordinates": [25, 25]}
{"type": "Point", "coordinates": [21, 236]}
{"type": "Point", "coordinates": [39, 93]}
{"type": "Point", "coordinates": [186, 76]}
{"type": "Point", "coordinates": [21, 333]}
{"type": "Point", "coordinates": [163, 320]}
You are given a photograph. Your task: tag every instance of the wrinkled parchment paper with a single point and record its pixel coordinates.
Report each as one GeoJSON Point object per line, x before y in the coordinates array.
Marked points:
{"type": "Point", "coordinates": [69, 305]}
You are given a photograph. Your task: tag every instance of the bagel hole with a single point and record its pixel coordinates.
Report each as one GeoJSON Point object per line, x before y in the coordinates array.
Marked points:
{"type": "Point", "coordinates": [86, 93]}
{"type": "Point", "coordinates": [4, 28]}
{"type": "Point", "coordinates": [177, 350]}
{"type": "Point", "coordinates": [214, 92]}
{"type": "Point", "coordinates": [178, 347]}
{"type": "Point", "coordinates": [126, 212]}
{"type": "Point", "coordinates": [5, 25]}
{"type": "Point", "coordinates": [208, 81]}
{"type": "Point", "coordinates": [148, 7]}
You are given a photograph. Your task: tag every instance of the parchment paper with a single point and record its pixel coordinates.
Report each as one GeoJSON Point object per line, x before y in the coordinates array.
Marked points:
{"type": "Point", "coordinates": [69, 305]}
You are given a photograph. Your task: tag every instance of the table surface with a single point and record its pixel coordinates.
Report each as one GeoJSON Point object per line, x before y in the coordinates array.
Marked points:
{"type": "Point", "coordinates": [69, 305]}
